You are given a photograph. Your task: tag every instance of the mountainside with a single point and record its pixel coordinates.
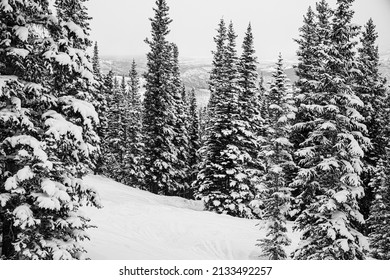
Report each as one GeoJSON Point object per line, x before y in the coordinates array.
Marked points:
{"type": "Point", "coordinates": [385, 65]}
{"type": "Point", "coordinates": [195, 72]}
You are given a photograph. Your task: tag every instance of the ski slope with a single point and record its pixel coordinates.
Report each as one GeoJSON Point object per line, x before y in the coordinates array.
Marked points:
{"type": "Point", "coordinates": [135, 224]}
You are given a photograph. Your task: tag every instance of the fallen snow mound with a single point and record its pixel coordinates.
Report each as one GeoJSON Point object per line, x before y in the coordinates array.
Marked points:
{"type": "Point", "coordinates": [138, 225]}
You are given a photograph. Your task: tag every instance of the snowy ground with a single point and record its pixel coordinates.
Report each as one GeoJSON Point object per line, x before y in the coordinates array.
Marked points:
{"type": "Point", "coordinates": [135, 224]}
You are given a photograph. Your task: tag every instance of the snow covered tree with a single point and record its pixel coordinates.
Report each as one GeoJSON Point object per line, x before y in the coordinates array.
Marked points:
{"type": "Point", "coordinates": [203, 121]}
{"type": "Point", "coordinates": [314, 37]}
{"type": "Point", "coordinates": [371, 89]}
{"type": "Point", "coordinates": [180, 124]}
{"type": "Point", "coordinates": [74, 13]}
{"type": "Point", "coordinates": [47, 137]}
{"type": "Point", "coordinates": [193, 135]}
{"type": "Point", "coordinates": [277, 150]}
{"type": "Point", "coordinates": [117, 107]}
{"type": "Point", "coordinates": [96, 61]}
{"type": "Point", "coordinates": [100, 104]}
{"type": "Point", "coordinates": [105, 161]}
{"type": "Point", "coordinates": [222, 177]}
{"type": "Point", "coordinates": [379, 219]}
{"type": "Point", "coordinates": [330, 158]}
{"type": "Point", "coordinates": [160, 153]}
{"type": "Point", "coordinates": [250, 115]}
{"type": "Point", "coordinates": [132, 160]}
{"type": "Point", "coordinates": [216, 74]}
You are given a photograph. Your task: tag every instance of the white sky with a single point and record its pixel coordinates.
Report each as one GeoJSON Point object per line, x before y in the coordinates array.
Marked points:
{"type": "Point", "coordinates": [120, 26]}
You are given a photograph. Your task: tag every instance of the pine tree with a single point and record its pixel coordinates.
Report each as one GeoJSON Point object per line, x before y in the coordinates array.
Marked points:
{"type": "Point", "coordinates": [250, 114]}
{"type": "Point", "coordinates": [379, 219]}
{"type": "Point", "coordinates": [193, 135]}
{"type": "Point", "coordinates": [203, 121]}
{"type": "Point", "coordinates": [315, 36]}
{"type": "Point", "coordinates": [277, 150]}
{"type": "Point", "coordinates": [75, 11]}
{"type": "Point", "coordinates": [104, 166]}
{"type": "Point", "coordinates": [180, 124]}
{"type": "Point", "coordinates": [134, 131]}
{"type": "Point", "coordinates": [100, 104]}
{"type": "Point", "coordinates": [330, 158]}
{"type": "Point", "coordinates": [222, 177]}
{"type": "Point", "coordinates": [215, 82]}
{"type": "Point", "coordinates": [160, 153]}
{"type": "Point", "coordinates": [96, 61]}
{"type": "Point", "coordinates": [47, 133]}
{"type": "Point", "coordinates": [122, 130]}
{"type": "Point", "coordinates": [371, 90]}
{"type": "Point", "coordinates": [314, 40]}
{"type": "Point", "coordinates": [115, 131]}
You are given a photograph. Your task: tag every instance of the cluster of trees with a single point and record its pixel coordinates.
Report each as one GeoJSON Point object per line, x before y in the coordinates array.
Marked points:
{"type": "Point", "coordinates": [315, 152]}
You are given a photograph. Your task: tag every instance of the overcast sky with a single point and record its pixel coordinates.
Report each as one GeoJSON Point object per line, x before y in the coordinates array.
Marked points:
{"type": "Point", "coordinates": [120, 26]}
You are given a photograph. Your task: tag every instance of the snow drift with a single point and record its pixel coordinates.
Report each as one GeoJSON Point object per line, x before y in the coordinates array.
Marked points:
{"type": "Point", "coordinates": [136, 224]}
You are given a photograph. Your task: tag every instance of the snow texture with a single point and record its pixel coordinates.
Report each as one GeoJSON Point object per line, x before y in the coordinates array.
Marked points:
{"type": "Point", "coordinates": [135, 224]}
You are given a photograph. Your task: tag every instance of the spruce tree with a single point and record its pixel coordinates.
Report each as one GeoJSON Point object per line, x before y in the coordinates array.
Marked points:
{"type": "Point", "coordinates": [250, 115]}
{"type": "Point", "coordinates": [47, 137]}
{"type": "Point", "coordinates": [193, 135]}
{"type": "Point", "coordinates": [160, 153]}
{"type": "Point", "coordinates": [277, 150]}
{"type": "Point", "coordinates": [222, 179]}
{"type": "Point", "coordinates": [132, 161]}
{"type": "Point", "coordinates": [215, 82]}
{"type": "Point", "coordinates": [108, 91]}
{"type": "Point", "coordinates": [100, 104]}
{"type": "Point", "coordinates": [96, 61]}
{"type": "Point", "coordinates": [115, 149]}
{"type": "Point", "coordinates": [314, 40]}
{"type": "Point", "coordinates": [379, 219]}
{"type": "Point", "coordinates": [371, 90]}
{"type": "Point", "coordinates": [330, 158]}
{"type": "Point", "coordinates": [180, 124]}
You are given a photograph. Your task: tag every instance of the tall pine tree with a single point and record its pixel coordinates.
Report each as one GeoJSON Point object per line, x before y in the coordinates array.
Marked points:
{"type": "Point", "coordinates": [222, 179]}
{"type": "Point", "coordinates": [133, 154]}
{"type": "Point", "coordinates": [330, 158]}
{"type": "Point", "coordinates": [277, 150]}
{"type": "Point", "coordinates": [379, 219]}
{"type": "Point", "coordinates": [160, 153]}
{"type": "Point", "coordinates": [371, 89]}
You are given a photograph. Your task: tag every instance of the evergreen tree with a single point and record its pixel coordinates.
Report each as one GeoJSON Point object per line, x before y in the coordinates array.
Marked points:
{"type": "Point", "coordinates": [115, 131]}
{"type": "Point", "coordinates": [250, 115]}
{"type": "Point", "coordinates": [203, 121]}
{"type": "Point", "coordinates": [134, 131]}
{"type": "Point", "coordinates": [100, 104]}
{"type": "Point", "coordinates": [314, 40]}
{"type": "Point", "coordinates": [330, 158]}
{"type": "Point", "coordinates": [160, 153]}
{"type": "Point", "coordinates": [215, 82]}
{"type": "Point", "coordinates": [193, 133]}
{"type": "Point", "coordinates": [75, 16]}
{"type": "Point", "coordinates": [47, 137]}
{"type": "Point", "coordinates": [277, 150]}
{"type": "Point", "coordinates": [96, 61]}
{"type": "Point", "coordinates": [379, 219]}
{"type": "Point", "coordinates": [371, 90]}
{"type": "Point", "coordinates": [180, 125]}
{"type": "Point", "coordinates": [315, 36]}
{"type": "Point", "coordinates": [222, 177]}
{"type": "Point", "coordinates": [105, 163]}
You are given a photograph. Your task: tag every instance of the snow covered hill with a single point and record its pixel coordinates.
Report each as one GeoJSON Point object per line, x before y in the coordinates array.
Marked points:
{"type": "Point", "coordinates": [135, 224]}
